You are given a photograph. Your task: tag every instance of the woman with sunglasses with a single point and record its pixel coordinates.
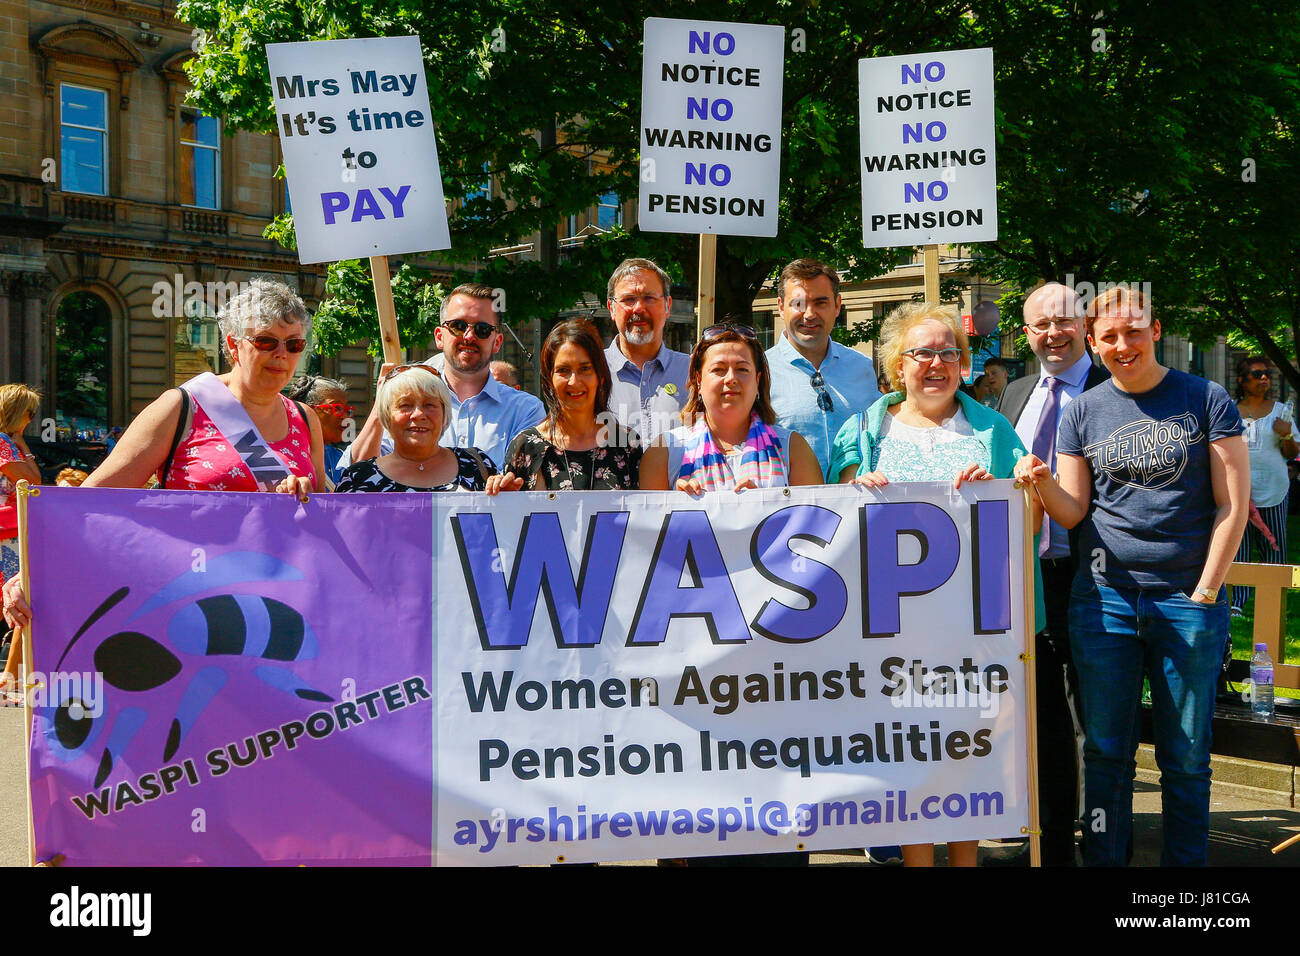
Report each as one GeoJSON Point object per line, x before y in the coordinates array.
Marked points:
{"type": "Point", "coordinates": [729, 440]}
{"type": "Point", "coordinates": [231, 432]}
{"type": "Point", "coordinates": [414, 406]}
{"type": "Point", "coordinates": [329, 400]}
{"type": "Point", "coordinates": [1270, 437]}
{"type": "Point", "coordinates": [579, 447]}
{"type": "Point", "coordinates": [926, 429]}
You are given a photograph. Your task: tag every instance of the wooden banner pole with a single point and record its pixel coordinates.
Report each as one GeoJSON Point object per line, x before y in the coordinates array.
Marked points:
{"type": "Point", "coordinates": [25, 491]}
{"type": "Point", "coordinates": [931, 259]}
{"type": "Point", "coordinates": [1031, 682]}
{"type": "Point", "coordinates": [383, 284]}
{"type": "Point", "coordinates": [705, 297]}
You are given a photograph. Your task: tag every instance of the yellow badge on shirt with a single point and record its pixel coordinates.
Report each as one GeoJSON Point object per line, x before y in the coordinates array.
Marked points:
{"type": "Point", "coordinates": [670, 389]}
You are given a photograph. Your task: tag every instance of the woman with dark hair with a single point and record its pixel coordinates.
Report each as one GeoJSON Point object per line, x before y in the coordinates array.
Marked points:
{"type": "Point", "coordinates": [729, 440]}
{"type": "Point", "coordinates": [1270, 438]}
{"type": "Point", "coordinates": [579, 447]}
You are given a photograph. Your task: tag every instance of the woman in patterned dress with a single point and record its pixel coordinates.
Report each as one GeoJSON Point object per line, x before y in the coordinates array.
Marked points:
{"type": "Point", "coordinates": [413, 404]}
{"type": "Point", "coordinates": [580, 446]}
{"type": "Point", "coordinates": [926, 429]}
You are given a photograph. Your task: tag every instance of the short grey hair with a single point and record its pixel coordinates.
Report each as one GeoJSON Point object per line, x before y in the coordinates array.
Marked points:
{"type": "Point", "coordinates": [263, 302]}
{"type": "Point", "coordinates": [416, 380]}
{"type": "Point", "coordinates": [629, 266]}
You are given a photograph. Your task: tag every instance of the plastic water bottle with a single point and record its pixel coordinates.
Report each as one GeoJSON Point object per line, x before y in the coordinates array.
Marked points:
{"type": "Point", "coordinates": [1261, 677]}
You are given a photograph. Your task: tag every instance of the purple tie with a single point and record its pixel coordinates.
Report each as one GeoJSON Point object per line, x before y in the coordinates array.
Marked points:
{"type": "Point", "coordinates": [1045, 444]}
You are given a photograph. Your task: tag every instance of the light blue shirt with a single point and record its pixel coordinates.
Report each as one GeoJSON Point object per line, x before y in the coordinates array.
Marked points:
{"type": "Point", "coordinates": [850, 379]}
{"type": "Point", "coordinates": [648, 400]}
{"type": "Point", "coordinates": [488, 421]}
{"type": "Point", "coordinates": [1073, 379]}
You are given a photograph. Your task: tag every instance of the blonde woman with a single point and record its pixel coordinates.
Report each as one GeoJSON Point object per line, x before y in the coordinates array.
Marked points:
{"type": "Point", "coordinates": [927, 429]}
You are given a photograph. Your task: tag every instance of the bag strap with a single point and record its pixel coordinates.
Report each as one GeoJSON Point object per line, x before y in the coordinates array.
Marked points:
{"type": "Point", "coordinates": [182, 428]}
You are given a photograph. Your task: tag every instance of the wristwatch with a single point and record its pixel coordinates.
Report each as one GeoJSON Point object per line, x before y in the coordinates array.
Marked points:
{"type": "Point", "coordinates": [1208, 593]}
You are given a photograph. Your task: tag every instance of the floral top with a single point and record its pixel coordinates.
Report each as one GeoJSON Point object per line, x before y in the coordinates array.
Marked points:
{"type": "Point", "coordinates": [614, 466]}
{"type": "Point", "coordinates": [206, 461]}
{"type": "Point", "coordinates": [470, 465]}
{"type": "Point", "coordinates": [9, 454]}
{"type": "Point", "coordinates": [909, 453]}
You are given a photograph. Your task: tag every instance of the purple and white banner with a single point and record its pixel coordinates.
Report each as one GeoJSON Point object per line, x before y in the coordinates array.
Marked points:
{"type": "Point", "coordinates": [628, 676]}
{"type": "Point", "coordinates": [404, 679]}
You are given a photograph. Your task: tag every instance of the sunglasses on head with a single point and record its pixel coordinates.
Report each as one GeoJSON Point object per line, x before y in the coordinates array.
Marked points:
{"type": "Point", "coordinates": [482, 330]}
{"type": "Point", "coordinates": [718, 331]}
{"type": "Point", "coordinates": [269, 343]}
{"type": "Point", "coordinates": [404, 368]}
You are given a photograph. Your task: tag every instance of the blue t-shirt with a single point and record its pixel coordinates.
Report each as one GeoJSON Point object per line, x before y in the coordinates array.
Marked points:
{"type": "Point", "coordinates": [1153, 507]}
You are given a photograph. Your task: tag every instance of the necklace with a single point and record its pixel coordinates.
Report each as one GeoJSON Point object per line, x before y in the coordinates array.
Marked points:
{"type": "Point", "coordinates": [558, 434]}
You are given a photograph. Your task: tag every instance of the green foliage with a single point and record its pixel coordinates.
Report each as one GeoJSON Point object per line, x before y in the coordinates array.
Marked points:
{"type": "Point", "coordinates": [578, 67]}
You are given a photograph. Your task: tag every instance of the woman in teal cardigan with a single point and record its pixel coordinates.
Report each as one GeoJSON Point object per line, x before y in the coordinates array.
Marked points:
{"type": "Point", "coordinates": [929, 430]}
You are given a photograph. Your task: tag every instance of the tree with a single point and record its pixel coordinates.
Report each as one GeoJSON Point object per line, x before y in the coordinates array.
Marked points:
{"type": "Point", "coordinates": [1122, 130]}
{"type": "Point", "coordinates": [501, 74]}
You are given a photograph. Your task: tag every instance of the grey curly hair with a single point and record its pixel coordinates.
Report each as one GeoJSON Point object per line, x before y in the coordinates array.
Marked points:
{"type": "Point", "coordinates": [260, 305]}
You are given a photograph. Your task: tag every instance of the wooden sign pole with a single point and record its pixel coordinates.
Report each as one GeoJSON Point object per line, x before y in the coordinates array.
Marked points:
{"type": "Point", "coordinates": [931, 254]}
{"type": "Point", "coordinates": [1031, 684]}
{"type": "Point", "coordinates": [705, 296]}
{"type": "Point", "coordinates": [383, 284]}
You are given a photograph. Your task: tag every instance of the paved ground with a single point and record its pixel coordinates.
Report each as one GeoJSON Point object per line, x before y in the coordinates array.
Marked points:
{"type": "Point", "coordinates": [1249, 809]}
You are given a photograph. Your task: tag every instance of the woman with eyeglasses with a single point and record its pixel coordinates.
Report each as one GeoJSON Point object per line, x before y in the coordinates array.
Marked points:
{"type": "Point", "coordinates": [729, 440]}
{"type": "Point", "coordinates": [414, 407]}
{"type": "Point", "coordinates": [1271, 440]}
{"type": "Point", "coordinates": [926, 429]}
{"type": "Point", "coordinates": [329, 400]}
{"type": "Point", "coordinates": [579, 447]}
{"type": "Point", "coordinates": [231, 432]}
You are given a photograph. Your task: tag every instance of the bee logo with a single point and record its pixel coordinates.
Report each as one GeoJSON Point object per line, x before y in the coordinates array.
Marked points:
{"type": "Point", "coordinates": [208, 625]}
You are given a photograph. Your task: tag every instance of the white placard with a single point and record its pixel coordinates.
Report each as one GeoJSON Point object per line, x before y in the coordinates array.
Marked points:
{"type": "Point", "coordinates": [644, 674]}
{"type": "Point", "coordinates": [357, 134]}
{"type": "Point", "coordinates": [928, 170]}
{"type": "Point", "coordinates": [711, 127]}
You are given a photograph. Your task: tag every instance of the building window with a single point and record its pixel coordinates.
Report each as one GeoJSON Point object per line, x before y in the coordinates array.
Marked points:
{"type": "Point", "coordinates": [609, 211]}
{"type": "Point", "coordinates": [482, 190]}
{"type": "Point", "coordinates": [200, 160]}
{"type": "Point", "coordinates": [83, 118]}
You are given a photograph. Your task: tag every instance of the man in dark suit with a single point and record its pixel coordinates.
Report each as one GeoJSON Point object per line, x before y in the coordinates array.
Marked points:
{"type": "Point", "coordinates": [1055, 328]}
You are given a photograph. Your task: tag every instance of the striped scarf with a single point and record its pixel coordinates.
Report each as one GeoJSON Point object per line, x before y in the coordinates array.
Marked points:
{"type": "Point", "coordinates": [762, 460]}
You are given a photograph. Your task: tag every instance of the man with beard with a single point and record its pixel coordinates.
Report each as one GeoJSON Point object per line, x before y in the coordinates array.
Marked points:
{"type": "Point", "coordinates": [649, 379]}
{"type": "Point", "coordinates": [485, 414]}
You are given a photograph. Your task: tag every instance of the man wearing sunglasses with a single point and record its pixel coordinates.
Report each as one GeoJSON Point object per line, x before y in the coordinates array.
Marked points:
{"type": "Point", "coordinates": [649, 379]}
{"type": "Point", "coordinates": [1054, 325]}
{"type": "Point", "coordinates": [816, 383]}
{"type": "Point", "coordinates": [485, 414]}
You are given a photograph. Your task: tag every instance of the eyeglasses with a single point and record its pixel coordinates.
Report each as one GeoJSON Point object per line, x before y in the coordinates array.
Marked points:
{"type": "Point", "coordinates": [630, 301]}
{"type": "Point", "coordinates": [950, 356]}
{"type": "Point", "coordinates": [718, 331]}
{"type": "Point", "coordinates": [823, 396]}
{"type": "Point", "coordinates": [269, 343]}
{"type": "Point", "coordinates": [1260, 373]}
{"type": "Point", "coordinates": [1062, 325]}
{"type": "Point", "coordinates": [482, 330]}
{"type": "Point", "coordinates": [341, 409]}
{"type": "Point", "coordinates": [406, 368]}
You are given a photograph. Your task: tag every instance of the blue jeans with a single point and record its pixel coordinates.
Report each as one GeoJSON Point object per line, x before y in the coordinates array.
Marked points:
{"type": "Point", "coordinates": [1119, 635]}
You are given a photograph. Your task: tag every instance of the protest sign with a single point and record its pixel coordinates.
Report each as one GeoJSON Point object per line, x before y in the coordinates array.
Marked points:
{"type": "Point", "coordinates": [928, 170]}
{"type": "Point", "coordinates": [711, 127]}
{"type": "Point", "coordinates": [359, 149]}
{"type": "Point", "coordinates": [471, 681]}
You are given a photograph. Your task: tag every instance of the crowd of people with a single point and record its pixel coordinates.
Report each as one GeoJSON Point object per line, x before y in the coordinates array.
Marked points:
{"type": "Point", "coordinates": [1142, 483]}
